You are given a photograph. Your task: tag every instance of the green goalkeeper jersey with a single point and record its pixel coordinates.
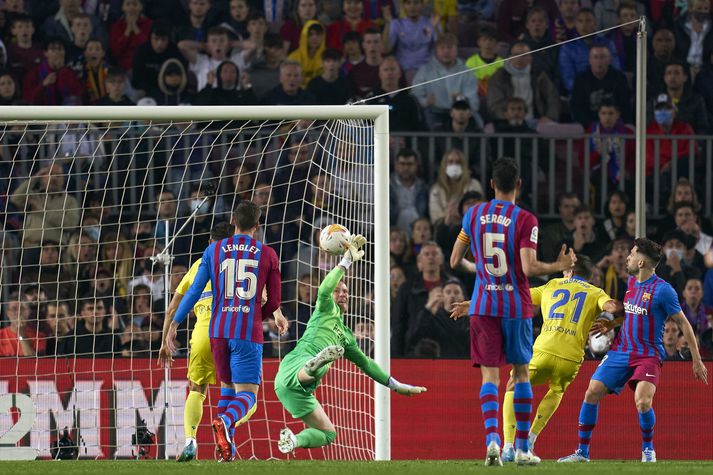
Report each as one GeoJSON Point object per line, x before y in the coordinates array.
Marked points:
{"type": "Point", "coordinates": [325, 328]}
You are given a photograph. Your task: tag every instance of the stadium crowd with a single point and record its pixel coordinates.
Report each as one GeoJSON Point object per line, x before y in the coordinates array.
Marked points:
{"type": "Point", "coordinates": [87, 287]}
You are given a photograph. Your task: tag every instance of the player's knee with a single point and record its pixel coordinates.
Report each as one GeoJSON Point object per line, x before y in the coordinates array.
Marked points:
{"type": "Point", "coordinates": [199, 388]}
{"type": "Point", "coordinates": [330, 435]}
{"type": "Point", "coordinates": [643, 404]}
{"type": "Point", "coordinates": [594, 394]}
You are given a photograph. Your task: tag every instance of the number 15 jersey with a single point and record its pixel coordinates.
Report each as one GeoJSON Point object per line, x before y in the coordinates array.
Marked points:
{"type": "Point", "coordinates": [496, 231]}
{"type": "Point", "coordinates": [239, 268]}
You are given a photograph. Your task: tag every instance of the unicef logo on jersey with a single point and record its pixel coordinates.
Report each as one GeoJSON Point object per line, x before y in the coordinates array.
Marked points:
{"type": "Point", "coordinates": [498, 287]}
{"type": "Point", "coordinates": [238, 309]}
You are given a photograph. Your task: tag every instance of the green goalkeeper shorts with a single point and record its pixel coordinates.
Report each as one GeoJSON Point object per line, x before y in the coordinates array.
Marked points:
{"type": "Point", "coordinates": [296, 398]}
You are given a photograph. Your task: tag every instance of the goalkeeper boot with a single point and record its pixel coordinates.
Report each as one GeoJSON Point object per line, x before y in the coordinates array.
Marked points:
{"type": "Point", "coordinates": [223, 441]}
{"type": "Point", "coordinates": [189, 451]}
{"type": "Point", "coordinates": [324, 357]}
{"type": "Point", "coordinates": [526, 458]}
{"type": "Point", "coordinates": [508, 454]}
{"type": "Point", "coordinates": [492, 456]}
{"type": "Point", "coordinates": [648, 455]}
{"type": "Point", "coordinates": [576, 457]}
{"type": "Point", "coordinates": [287, 442]}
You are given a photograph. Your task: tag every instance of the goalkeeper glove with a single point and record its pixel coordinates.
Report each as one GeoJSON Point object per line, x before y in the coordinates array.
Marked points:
{"type": "Point", "coordinates": [405, 389]}
{"type": "Point", "coordinates": [354, 251]}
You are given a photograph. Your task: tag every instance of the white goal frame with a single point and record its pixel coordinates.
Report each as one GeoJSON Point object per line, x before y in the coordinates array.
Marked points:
{"type": "Point", "coordinates": [380, 116]}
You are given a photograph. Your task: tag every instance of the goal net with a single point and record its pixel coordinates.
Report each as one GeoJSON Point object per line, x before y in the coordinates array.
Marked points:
{"type": "Point", "coordinates": [90, 195]}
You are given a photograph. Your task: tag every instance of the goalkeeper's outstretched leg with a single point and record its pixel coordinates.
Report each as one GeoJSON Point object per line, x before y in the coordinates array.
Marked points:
{"type": "Point", "coordinates": [320, 432]}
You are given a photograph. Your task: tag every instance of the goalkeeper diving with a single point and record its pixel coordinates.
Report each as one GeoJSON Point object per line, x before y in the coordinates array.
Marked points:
{"type": "Point", "coordinates": [571, 310]}
{"type": "Point", "coordinates": [325, 340]}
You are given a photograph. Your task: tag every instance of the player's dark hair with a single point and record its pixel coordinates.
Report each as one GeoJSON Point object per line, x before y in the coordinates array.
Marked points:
{"type": "Point", "coordinates": [583, 267]}
{"type": "Point", "coordinates": [221, 231]}
{"type": "Point", "coordinates": [247, 215]}
{"type": "Point", "coordinates": [505, 174]}
{"type": "Point", "coordinates": [650, 249]}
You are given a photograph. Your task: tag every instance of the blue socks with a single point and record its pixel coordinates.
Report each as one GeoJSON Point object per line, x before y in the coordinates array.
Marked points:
{"type": "Point", "coordinates": [239, 407]}
{"type": "Point", "coordinates": [587, 421]}
{"type": "Point", "coordinates": [489, 406]}
{"type": "Point", "coordinates": [647, 420]}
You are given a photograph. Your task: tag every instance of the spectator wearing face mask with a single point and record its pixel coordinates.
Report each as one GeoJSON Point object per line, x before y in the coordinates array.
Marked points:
{"type": "Point", "coordinates": [453, 180]}
{"type": "Point", "coordinates": [667, 124]}
{"type": "Point", "coordinates": [682, 261]}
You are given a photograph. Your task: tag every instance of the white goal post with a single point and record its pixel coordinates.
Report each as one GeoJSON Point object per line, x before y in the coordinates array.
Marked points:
{"type": "Point", "coordinates": [376, 115]}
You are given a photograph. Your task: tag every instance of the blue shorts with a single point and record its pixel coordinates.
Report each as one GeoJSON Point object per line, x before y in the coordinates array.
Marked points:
{"type": "Point", "coordinates": [495, 341]}
{"type": "Point", "coordinates": [617, 368]}
{"type": "Point", "coordinates": [236, 360]}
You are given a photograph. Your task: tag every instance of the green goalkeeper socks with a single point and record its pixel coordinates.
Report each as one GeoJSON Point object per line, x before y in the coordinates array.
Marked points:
{"type": "Point", "coordinates": [310, 438]}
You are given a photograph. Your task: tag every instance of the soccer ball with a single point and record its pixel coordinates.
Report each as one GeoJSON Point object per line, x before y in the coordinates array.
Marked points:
{"type": "Point", "coordinates": [334, 239]}
{"type": "Point", "coordinates": [600, 344]}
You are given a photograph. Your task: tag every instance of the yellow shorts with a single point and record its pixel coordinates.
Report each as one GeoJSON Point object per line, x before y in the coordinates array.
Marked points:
{"type": "Point", "coordinates": [201, 369]}
{"type": "Point", "coordinates": [557, 372]}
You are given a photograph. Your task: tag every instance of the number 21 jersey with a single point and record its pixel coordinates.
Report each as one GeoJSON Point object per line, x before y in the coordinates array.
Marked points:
{"type": "Point", "coordinates": [496, 231]}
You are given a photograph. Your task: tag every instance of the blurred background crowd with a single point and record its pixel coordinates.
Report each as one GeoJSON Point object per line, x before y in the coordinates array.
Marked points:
{"type": "Point", "coordinates": [76, 279]}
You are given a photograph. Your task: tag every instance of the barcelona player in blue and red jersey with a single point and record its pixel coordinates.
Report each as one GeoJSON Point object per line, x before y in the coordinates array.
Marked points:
{"type": "Point", "coordinates": [637, 353]}
{"type": "Point", "coordinates": [503, 239]}
{"type": "Point", "coordinates": [239, 268]}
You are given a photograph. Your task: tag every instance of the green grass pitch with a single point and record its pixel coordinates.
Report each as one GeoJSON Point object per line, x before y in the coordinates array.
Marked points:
{"type": "Point", "coordinates": [125, 467]}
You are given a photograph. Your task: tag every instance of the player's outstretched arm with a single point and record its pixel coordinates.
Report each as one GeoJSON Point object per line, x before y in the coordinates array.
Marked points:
{"type": "Point", "coordinates": [405, 389]}
{"type": "Point", "coordinates": [375, 372]}
{"type": "Point", "coordinates": [699, 369]}
{"type": "Point", "coordinates": [354, 252]}
{"type": "Point", "coordinates": [533, 267]}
